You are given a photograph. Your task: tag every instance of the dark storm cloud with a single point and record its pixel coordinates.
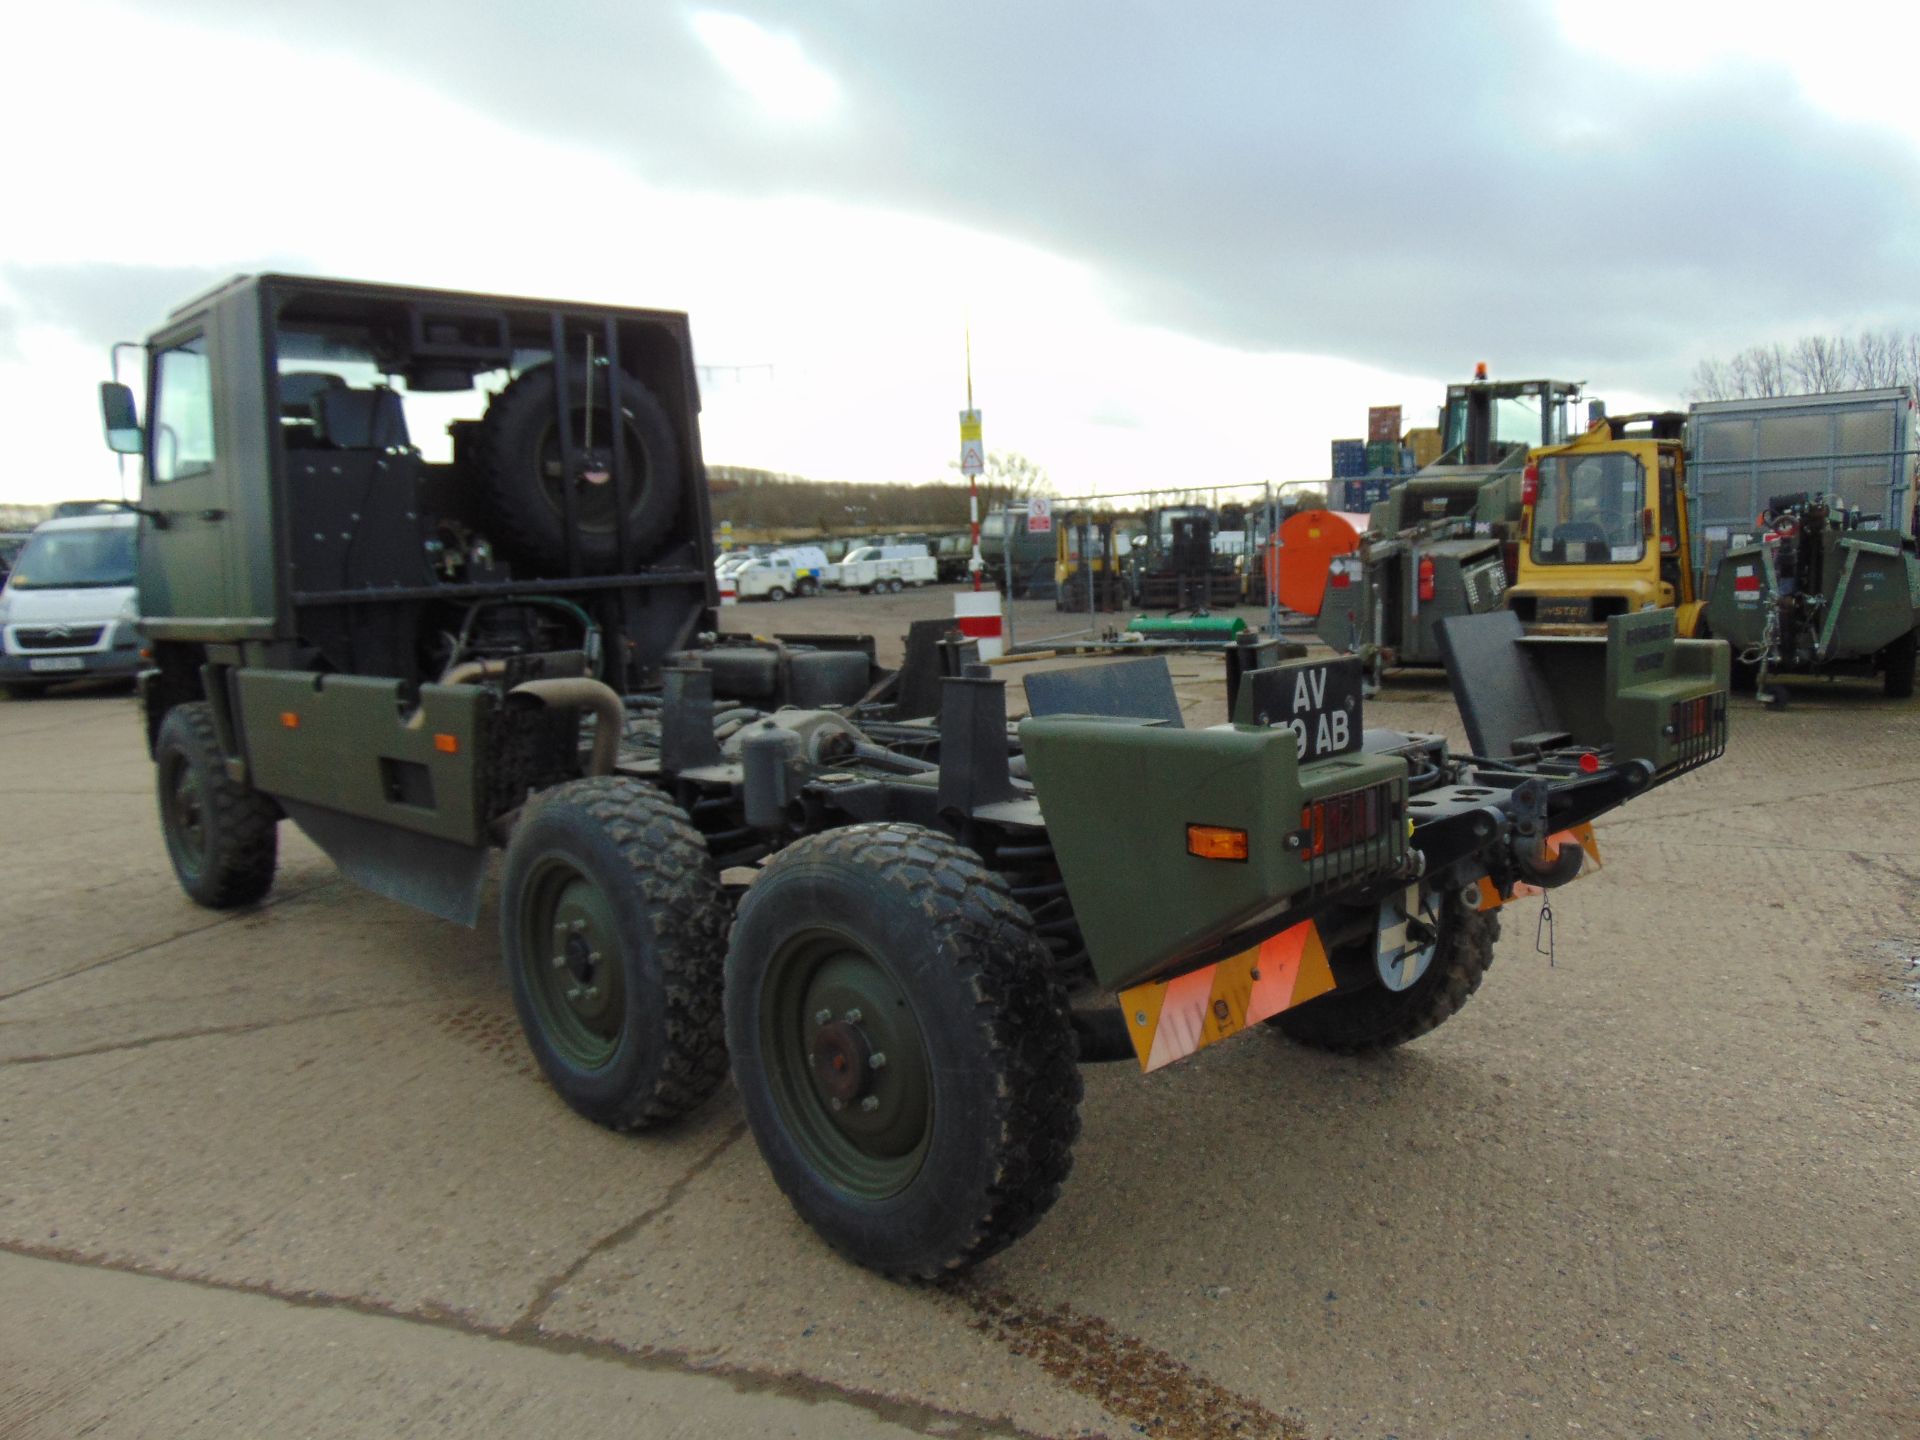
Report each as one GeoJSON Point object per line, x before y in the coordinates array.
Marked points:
{"type": "Point", "coordinates": [1408, 185]}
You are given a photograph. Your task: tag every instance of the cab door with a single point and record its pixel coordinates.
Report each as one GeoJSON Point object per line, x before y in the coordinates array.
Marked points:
{"type": "Point", "coordinates": [1676, 563]}
{"type": "Point", "coordinates": [184, 571]}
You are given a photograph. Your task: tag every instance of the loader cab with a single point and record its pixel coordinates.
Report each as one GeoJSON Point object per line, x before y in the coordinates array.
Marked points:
{"type": "Point", "coordinates": [1494, 423]}
{"type": "Point", "coordinates": [1604, 526]}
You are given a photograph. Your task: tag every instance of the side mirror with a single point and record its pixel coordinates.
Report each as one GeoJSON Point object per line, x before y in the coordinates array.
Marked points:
{"type": "Point", "coordinates": [122, 419]}
{"type": "Point", "coordinates": [1139, 542]}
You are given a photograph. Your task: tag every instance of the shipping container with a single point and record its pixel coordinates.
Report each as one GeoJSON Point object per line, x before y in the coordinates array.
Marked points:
{"type": "Point", "coordinates": [1349, 459]}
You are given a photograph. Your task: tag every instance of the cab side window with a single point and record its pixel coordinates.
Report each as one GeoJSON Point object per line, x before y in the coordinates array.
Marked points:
{"type": "Point", "coordinates": [182, 412]}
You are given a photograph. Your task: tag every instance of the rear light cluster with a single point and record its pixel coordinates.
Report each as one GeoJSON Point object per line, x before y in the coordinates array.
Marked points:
{"type": "Point", "coordinates": [1690, 719]}
{"type": "Point", "coordinates": [1340, 822]}
{"type": "Point", "coordinates": [1530, 485]}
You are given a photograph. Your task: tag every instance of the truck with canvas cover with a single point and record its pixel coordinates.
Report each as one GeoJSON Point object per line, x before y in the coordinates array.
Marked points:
{"type": "Point", "coordinates": [900, 920]}
{"type": "Point", "coordinates": [1444, 542]}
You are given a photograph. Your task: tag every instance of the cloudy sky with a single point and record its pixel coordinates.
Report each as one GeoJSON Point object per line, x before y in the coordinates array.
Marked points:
{"type": "Point", "coordinates": [1193, 241]}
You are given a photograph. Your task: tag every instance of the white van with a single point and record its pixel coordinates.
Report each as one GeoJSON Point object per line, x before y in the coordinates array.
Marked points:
{"type": "Point", "coordinates": [809, 566]}
{"type": "Point", "coordinates": [70, 610]}
{"type": "Point", "coordinates": [765, 578]}
{"type": "Point", "coordinates": [884, 567]}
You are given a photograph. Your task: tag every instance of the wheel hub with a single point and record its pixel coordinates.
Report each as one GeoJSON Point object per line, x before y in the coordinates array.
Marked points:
{"type": "Point", "coordinates": [842, 1060]}
{"type": "Point", "coordinates": [850, 1064]}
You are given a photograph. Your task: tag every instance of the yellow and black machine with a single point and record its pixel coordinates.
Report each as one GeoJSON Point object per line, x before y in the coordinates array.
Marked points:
{"type": "Point", "coordinates": [1604, 528]}
{"type": "Point", "coordinates": [1085, 559]}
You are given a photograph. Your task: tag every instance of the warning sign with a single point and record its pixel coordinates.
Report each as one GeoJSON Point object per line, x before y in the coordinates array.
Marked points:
{"type": "Point", "coordinates": [1039, 515]}
{"type": "Point", "coordinates": [973, 450]}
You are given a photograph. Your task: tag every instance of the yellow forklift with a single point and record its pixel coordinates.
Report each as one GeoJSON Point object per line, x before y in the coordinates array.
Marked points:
{"type": "Point", "coordinates": [1604, 528]}
{"type": "Point", "coordinates": [1085, 558]}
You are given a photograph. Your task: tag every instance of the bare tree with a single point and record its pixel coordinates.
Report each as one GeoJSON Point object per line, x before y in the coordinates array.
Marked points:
{"type": "Point", "coordinates": [1813, 365]}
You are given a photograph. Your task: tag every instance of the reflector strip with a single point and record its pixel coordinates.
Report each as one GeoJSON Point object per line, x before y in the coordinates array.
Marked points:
{"type": "Point", "coordinates": [1171, 1019]}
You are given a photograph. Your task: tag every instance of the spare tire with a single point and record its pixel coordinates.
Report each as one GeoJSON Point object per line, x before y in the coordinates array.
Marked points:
{"type": "Point", "coordinates": [516, 452]}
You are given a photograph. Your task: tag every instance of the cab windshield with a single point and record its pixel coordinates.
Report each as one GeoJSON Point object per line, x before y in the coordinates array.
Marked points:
{"type": "Point", "coordinates": [1590, 510]}
{"type": "Point", "coordinates": [89, 559]}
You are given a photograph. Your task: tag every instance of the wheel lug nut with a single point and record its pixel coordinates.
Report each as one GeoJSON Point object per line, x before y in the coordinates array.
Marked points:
{"type": "Point", "coordinates": [853, 1017]}
{"type": "Point", "coordinates": [573, 992]}
{"type": "Point", "coordinates": [593, 957]}
{"type": "Point", "coordinates": [878, 1060]}
{"type": "Point", "coordinates": [838, 1103]}
{"type": "Point", "coordinates": [821, 1017]}
{"type": "Point", "coordinates": [592, 992]}
{"type": "Point", "coordinates": [871, 1103]}
{"type": "Point", "coordinates": [578, 927]}
{"type": "Point", "coordinates": [559, 962]}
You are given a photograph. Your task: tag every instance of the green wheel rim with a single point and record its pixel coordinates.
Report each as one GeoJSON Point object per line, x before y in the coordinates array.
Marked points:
{"type": "Point", "coordinates": [570, 945]}
{"type": "Point", "coordinates": [847, 1064]}
{"type": "Point", "coordinates": [187, 812]}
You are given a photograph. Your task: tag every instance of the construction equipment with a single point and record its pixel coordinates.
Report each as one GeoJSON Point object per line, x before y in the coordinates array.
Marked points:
{"type": "Point", "coordinates": [1445, 541]}
{"type": "Point", "coordinates": [1820, 590]}
{"type": "Point", "coordinates": [1086, 571]}
{"type": "Point", "coordinates": [1605, 529]}
{"type": "Point", "coordinates": [1811, 583]}
{"type": "Point", "coordinates": [1805, 534]}
{"type": "Point", "coordinates": [900, 919]}
{"type": "Point", "coordinates": [1174, 565]}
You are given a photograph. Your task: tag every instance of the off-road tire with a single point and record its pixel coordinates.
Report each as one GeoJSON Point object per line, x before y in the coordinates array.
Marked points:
{"type": "Point", "coordinates": [224, 836]}
{"type": "Point", "coordinates": [527, 523]}
{"type": "Point", "coordinates": [667, 922]}
{"type": "Point", "coordinates": [1899, 661]}
{"type": "Point", "coordinates": [1373, 1018]}
{"type": "Point", "coordinates": [996, 1043]}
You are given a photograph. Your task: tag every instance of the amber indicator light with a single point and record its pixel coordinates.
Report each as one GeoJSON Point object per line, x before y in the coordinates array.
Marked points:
{"type": "Point", "coordinates": [447, 744]}
{"type": "Point", "coordinates": [289, 719]}
{"type": "Point", "coordinates": [1216, 842]}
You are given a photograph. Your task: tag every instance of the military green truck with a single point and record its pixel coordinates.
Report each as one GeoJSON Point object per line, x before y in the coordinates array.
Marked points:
{"type": "Point", "coordinates": [428, 575]}
{"type": "Point", "coordinates": [1444, 542]}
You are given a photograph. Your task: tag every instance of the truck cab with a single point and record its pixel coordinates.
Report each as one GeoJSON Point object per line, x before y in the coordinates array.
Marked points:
{"type": "Point", "coordinates": [1603, 528]}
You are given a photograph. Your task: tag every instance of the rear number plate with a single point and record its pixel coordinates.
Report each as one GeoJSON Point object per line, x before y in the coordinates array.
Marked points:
{"type": "Point", "coordinates": [58, 662]}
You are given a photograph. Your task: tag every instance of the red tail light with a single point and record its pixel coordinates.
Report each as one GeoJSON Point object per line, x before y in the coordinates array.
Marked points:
{"type": "Point", "coordinates": [1340, 822]}
{"type": "Point", "coordinates": [1426, 577]}
{"type": "Point", "coordinates": [1530, 484]}
{"type": "Point", "coordinates": [1688, 720]}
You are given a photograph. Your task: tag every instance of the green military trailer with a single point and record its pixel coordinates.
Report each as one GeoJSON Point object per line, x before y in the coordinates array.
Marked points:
{"type": "Point", "coordinates": [428, 575]}
{"type": "Point", "coordinates": [1818, 592]}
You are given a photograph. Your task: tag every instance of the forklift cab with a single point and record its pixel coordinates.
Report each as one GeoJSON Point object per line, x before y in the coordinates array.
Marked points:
{"type": "Point", "coordinates": [1604, 526]}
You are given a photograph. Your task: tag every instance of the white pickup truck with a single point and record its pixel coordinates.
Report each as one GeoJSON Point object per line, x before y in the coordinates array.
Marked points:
{"type": "Point", "coordinates": [884, 567]}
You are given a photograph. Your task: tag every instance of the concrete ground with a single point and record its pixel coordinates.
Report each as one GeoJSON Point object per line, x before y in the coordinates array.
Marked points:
{"type": "Point", "coordinates": [289, 1171]}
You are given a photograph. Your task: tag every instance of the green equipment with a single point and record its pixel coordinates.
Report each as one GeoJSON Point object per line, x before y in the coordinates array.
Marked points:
{"type": "Point", "coordinates": [1220, 627]}
{"type": "Point", "coordinates": [1443, 543]}
{"type": "Point", "coordinates": [1819, 590]}
{"type": "Point", "coordinates": [430, 576]}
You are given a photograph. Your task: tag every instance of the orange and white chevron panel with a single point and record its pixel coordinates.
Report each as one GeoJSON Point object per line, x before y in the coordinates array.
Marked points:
{"type": "Point", "coordinates": [1171, 1019]}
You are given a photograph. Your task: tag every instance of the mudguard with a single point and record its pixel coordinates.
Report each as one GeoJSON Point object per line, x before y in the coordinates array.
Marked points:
{"type": "Point", "coordinates": [1119, 796]}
